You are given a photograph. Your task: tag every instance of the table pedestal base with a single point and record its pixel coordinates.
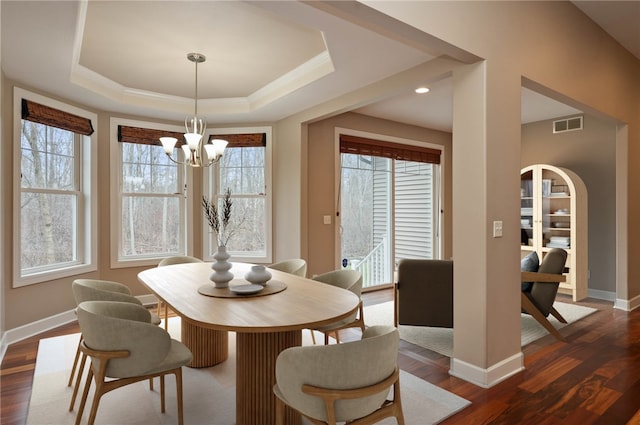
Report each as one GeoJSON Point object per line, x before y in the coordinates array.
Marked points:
{"type": "Point", "coordinates": [255, 376]}
{"type": "Point", "coordinates": [208, 346]}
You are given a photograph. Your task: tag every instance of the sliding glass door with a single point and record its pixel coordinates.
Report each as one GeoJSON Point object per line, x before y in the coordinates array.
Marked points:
{"type": "Point", "coordinates": [389, 210]}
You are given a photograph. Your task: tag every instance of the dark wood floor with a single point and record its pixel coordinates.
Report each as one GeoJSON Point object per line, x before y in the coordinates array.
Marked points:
{"type": "Point", "coordinates": [593, 378]}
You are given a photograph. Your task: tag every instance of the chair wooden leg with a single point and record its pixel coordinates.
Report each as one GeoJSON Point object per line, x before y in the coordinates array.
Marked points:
{"type": "Point", "coordinates": [162, 406]}
{"type": "Point", "coordinates": [397, 403]}
{"type": "Point", "coordinates": [85, 394]}
{"type": "Point", "coordinates": [75, 364]}
{"type": "Point", "coordinates": [528, 306]}
{"type": "Point", "coordinates": [178, 374]}
{"type": "Point", "coordinates": [76, 387]}
{"type": "Point", "coordinates": [555, 313]}
{"type": "Point", "coordinates": [94, 406]}
{"type": "Point", "coordinates": [313, 336]}
{"type": "Point", "coordinates": [166, 317]}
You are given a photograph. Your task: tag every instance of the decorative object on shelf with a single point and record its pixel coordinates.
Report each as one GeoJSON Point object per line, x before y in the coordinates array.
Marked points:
{"type": "Point", "coordinates": [197, 152]}
{"type": "Point", "coordinates": [258, 275]}
{"type": "Point", "coordinates": [219, 221]}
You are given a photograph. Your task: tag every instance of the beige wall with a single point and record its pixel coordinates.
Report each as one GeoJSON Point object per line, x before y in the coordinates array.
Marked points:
{"type": "Point", "coordinates": [590, 153]}
{"type": "Point", "coordinates": [322, 174]}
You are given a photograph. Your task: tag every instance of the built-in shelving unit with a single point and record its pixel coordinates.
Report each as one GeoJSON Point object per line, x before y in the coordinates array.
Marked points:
{"type": "Point", "coordinates": [553, 214]}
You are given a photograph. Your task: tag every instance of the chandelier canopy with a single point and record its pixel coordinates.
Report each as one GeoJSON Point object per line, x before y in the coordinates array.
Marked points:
{"type": "Point", "coordinates": [197, 151]}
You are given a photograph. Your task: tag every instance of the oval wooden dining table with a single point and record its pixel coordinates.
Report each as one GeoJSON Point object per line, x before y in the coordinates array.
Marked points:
{"type": "Point", "coordinates": [265, 324]}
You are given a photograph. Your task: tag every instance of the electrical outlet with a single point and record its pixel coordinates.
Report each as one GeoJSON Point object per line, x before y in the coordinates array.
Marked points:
{"type": "Point", "coordinates": [327, 219]}
{"type": "Point", "coordinates": [497, 229]}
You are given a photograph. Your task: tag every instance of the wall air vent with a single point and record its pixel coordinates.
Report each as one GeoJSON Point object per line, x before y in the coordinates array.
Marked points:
{"type": "Point", "coordinates": [567, 124]}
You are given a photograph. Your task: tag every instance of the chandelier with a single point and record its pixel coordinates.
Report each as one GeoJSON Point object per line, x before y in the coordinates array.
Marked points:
{"type": "Point", "coordinates": [197, 152]}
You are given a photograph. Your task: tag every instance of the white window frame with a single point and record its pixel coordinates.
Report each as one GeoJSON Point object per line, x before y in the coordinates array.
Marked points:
{"type": "Point", "coordinates": [87, 217]}
{"type": "Point", "coordinates": [207, 182]}
{"type": "Point", "coordinates": [117, 258]}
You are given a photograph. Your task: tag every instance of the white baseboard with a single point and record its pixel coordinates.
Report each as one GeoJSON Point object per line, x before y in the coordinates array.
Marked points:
{"type": "Point", "coordinates": [602, 295]}
{"type": "Point", "coordinates": [31, 329]}
{"type": "Point", "coordinates": [3, 345]}
{"type": "Point", "coordinates": [37, 327]}
{"type": "Point", "coordinates": [487, 378]}
{"type": "Point", "coordinates": [627, 305]}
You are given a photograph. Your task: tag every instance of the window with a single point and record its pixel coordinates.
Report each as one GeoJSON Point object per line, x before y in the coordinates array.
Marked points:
{"type": "Point", "coordinates": [245, 170]}
{"type": "Point", "coordinates": [55, 190]}
{"type": "Point", "coordinates": [149, 207]}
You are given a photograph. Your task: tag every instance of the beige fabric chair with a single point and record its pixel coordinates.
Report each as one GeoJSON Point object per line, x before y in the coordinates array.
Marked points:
{"type": "Point", "coordinates": [125, 348]}
{"type": "Point", "coordinates": [97, 290]}
{"type": "Point", "coordinates": [346, 279]}
{"type": "Point", "coordinates": [296, 266]}
{"type": "Point", "coordinates": [179, 259]}
{"type": "Point", "coordinates": [538, 300]}
{"type": "Point", "coordinates": [342, 382]}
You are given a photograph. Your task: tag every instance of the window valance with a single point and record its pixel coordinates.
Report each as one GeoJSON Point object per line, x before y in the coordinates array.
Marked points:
{"type": "Point", "coordinates": [364, 146]}
{"type": "Point", "coordinates": [247, 140]}
{"type": "Point", "coordinates": [150, 136]}
{"type": "Point", "coordinates": [41, 114]}
{"type": "Point", "coordinates": [146, 136]}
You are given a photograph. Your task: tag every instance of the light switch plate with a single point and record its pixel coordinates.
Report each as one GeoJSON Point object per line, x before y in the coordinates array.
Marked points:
{"type": "Point", "coordinates": [327, 219]}
{"type": "Point", "coordinates": [497, 229]}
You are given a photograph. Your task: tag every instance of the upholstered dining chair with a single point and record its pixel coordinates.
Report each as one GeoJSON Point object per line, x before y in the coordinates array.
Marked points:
{"type": "Point", "coordinates": [125, 348]}
{"type": "Point", "coordinates": [342, 382]}
{"type": "Point", "coordinates": [345, 279]}
{"type": "Point", "coordinates": [168, 261]}
{"type": "Point", "coordinates": [296, 266]}
{"type": "Point", "coordinates": [97, 290]}
{"type": "Point", "coordinates": [537, 299]}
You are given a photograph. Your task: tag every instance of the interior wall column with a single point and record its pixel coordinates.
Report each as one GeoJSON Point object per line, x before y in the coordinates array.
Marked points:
{"type": "Point", "coordinates": [288, 181]}
{"type": "Point", "coordinates": [486, 182]}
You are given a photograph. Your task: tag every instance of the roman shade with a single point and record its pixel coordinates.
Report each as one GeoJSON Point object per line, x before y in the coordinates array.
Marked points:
{"type": "Point", "coordinates": [364, 146]}
{"type": "Point", "coordinates": [247, 140]}
{"type": "Point", "coordinates": [41, 114]}
{"type": "Point", "coordinates": [148, 136]}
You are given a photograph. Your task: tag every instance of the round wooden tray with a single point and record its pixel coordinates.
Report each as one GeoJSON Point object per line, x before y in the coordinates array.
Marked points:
{"type": "Point", "coordinates": [272, 287]}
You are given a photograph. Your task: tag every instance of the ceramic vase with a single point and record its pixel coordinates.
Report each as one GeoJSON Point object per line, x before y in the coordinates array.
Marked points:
{"type": "Point", "coordinates": [221, 275]}
{"type": "Point", "coordinates": [258, 275]}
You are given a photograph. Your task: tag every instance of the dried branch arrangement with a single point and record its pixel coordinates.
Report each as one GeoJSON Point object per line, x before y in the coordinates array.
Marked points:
{"type": "Point", "coordinates": [219, 218]}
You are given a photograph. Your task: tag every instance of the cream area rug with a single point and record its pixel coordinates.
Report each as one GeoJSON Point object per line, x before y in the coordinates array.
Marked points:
{"type": "Point", "coordinates": [440, 340]}
{"type": "Point", "coordinates": [209, 393]}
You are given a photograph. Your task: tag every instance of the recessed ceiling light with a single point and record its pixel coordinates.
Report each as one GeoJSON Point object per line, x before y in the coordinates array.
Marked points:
{"type": "Point", "coordinates": [422, 90]}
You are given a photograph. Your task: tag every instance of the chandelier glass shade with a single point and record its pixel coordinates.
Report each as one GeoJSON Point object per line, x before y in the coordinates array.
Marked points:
{"type": "Point", "coordinates": [197, 151]}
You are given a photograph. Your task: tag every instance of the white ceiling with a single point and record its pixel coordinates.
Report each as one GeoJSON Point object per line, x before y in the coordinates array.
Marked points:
{"type": "Point", "coordinates": [265, 60]}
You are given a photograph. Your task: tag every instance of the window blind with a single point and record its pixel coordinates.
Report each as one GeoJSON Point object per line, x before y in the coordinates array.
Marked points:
{"type": "Point", "coordinates": [364, 146]}
{"type": "Point", "coordinates": [146, 136]}
{"type": "Point", "coordinates": [150, 136]}
{"type": "Point", "coordinates": [247, 140]}
{"type": "Point", "coordinates": [41, 114]}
